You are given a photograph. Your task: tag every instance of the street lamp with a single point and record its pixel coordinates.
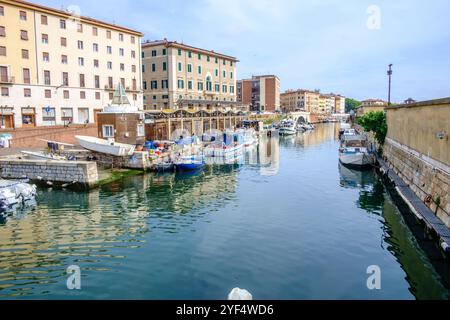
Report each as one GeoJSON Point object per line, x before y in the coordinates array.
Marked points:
{"type": "Point", "coordinates": [390, 81]}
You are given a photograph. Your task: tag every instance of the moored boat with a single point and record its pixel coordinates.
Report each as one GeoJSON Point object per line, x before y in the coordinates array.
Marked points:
{"type": "Point", "coordinates": [105, 146]}
{"type": "Point", "coordinates": [354, 152]}
{"type": "Point", "coordinates": [287, 127]}
{"type": "Point", "coordinates": [43, 156]}
{"type": "Point", "coordinates": [190, 166]}
{"type": "Point", "coordinates": [14, 193]}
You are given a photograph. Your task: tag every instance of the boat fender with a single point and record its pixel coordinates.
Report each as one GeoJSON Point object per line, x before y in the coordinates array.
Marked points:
{"type": "Point", "coordinates": [445, 246]}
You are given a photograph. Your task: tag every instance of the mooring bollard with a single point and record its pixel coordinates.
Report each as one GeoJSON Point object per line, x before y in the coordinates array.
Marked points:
{"type": "Point", "coordinates": [240, 294]}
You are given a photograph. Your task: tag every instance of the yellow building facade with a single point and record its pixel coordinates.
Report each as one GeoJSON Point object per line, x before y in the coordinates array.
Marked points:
{"type": "Point", "coordinates": [59, 68]}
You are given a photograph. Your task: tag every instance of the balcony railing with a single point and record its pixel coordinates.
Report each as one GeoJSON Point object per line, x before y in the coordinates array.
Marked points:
{"type": "Point", "coordinates": [7, 80]}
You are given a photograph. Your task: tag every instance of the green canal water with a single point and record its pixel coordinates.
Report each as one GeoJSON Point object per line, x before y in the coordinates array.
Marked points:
{"type": "Point", "coordinates": [287, 223]}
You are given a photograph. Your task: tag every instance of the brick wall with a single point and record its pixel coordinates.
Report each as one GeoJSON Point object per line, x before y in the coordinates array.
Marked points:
{"type": "Point", "coordinates": [29, 137]}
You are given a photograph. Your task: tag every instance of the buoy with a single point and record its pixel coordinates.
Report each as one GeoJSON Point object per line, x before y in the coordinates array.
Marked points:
{"type": "Point", "coordinates": [240, 294]}
{"type": "Point", "coordinates": [445, 246]}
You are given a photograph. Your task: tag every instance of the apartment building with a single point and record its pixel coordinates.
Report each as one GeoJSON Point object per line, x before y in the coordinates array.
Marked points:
{"type": "Point", "coordinates": [305, 100]}
{"type": "Point", "coordinates": [179, 76]}
{"type": "Point", "coordinates": [260, 93]}
{"type": "Point", "coordinates": [57, 68]}
{"type": "Point", "coordinates": [327, 104]}
{"type": "Point", "coordinates": [340, 104]}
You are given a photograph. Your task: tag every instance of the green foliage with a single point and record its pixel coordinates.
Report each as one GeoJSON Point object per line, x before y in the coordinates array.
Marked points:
{"type": "Point", "coordinates": [376, 122]}
{"type": "Point", "coordinates": [351, 104]}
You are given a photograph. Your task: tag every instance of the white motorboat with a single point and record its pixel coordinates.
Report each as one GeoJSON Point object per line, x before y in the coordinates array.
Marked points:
{"type": "Point", "coordinates": [354, 152]}
{"type": "Point", "coordinates": [43, 156]}
{"type": "Point", "coordinates": [14, 193]}
{"type": "Point", "coordinates": [287, 127]}
{"type": "Point", "coordinates": [105, 146]}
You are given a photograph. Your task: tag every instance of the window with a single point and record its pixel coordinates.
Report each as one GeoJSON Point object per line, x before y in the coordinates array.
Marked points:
{"type": "Point", "coordinates": [23, 34]}
{"type": "Point", "coordinates": [48, 114]}
{"type": "Point", "coordinates": [5, 92]}
{"type": "Point", "coordinates": [231, 89]}
{"type": "Point", "coordinates": [48, 94]}
{"type": "Point", "coordinates": [190, 84]}
{"type": "Point", "coordinates": [133, 39]}
{"type": "Point", "coordinates": [143, 69]}
{"type": "Point", "coordinates": [140, 130]}
{"type": "Point", "coordinates": [133, 68]}
{"type": "Point", "coordinates": [164, 52]}
{"type": "Point", "coordinates": [180, 66]}
{"type": "Point", "coordinates": [165, 84]}
{"type": "Point", "coordinates": [2, 11]}
{"type": "Point", "coordinates": [44, 20]}
{"type": "Point", "coordinates": [80, 27]}
{"type": "Point", "coordinates": [224, 88]}
{"type": "Point", "coordinates": [27, 93]}
{"type": "Point", "coordinates": [63, 42]}
{"type": "Point", "coordinates": [189, 67]}
{"type": "Point", "coordinates": [81, 62]}
{"type": "Point", "coordinates": [180, 84]}
{"type": "Point", "coordinates": [25, 54]}
{"type": "Point", "coordinates": [217, 60]}
{"type": "Point", "coordinates": [231, 63]}
{"type": "Point", "coordinates": [199, 56]}
{"type": "Point", "coordinates": [97, 96]}
{"type": "Point", "coordinates": [110, 82]}
{"type": "Point", "coordinates": [217, 88]}
{"type": "Point", "coordinates": [153, 53]}
{"type": "Point", "coordinates": [179, 52]}
{"type": "Point", "coordinates": [122, 67]}
{"type": "Point", "coordinates": [47, 80]}
{"type": "Point", "coordinates": [82, 82]}
{"type": "Point", "coordinates": [46, 56]}
{"type": "Point", "coordinates": [144, 84]}
{"type": "Point", "coordinates": [23, 15]}
{"type": "Point", "coordinates": [80, 45]}
{"type": "Point", "coordinates": [26, 76]}
{"type": "Point", "coordinates": [154, 85]}
{"type": "Point", "coordinates": [111, 96]}
{"type": "Point", "coordinates": [83, 95]}
{"type": "Point", "coordinates": [65, 79]}
{"type": "Point", "coordinates": [66, 94]}
{"type": "Point", "coordinates": [2, 31]}
{"type": "Point", "coordinates": [133, 54]}
{"type": "Point", "coordinates": [224, 62]}
{"type": "Point", "coordinates": [95, 47]}
{"type": "Point", "coordinates": [153, 67]}
{"type": "Point", "coordinates": [2, 51]}
{"type": "Point", "coordinates": [189, 54]}
{"type": "Point", "coordinates": [134, 84]}
{"type": "Point", "coordinates": [109, 65]}
{"type": "Point", "coordinates": [231, 74]}
{"type": "Point", "coordinates": [224, 73]}
{"type": "Point", "coordinates": [120, 36]}
{"type": "Point", "coordinates": [200, 86]}
{"type": "Point", "coordinates": [164, 66]}
{"type": "Point", "coordinates": [108, 34]}
{"type": "Point", "coordinates": [67, 114]}
{"type": "Point", "coordinates": [108, 131]}
{"type": "Point", "coordinates": [122, 80]}
{"type": "Point", "coordinates": [143, 54]}
{"type": "Point", "coordinates": [62, 24]}
{"type": "Point", "coordinates": [217, 72]}
{"type": "Point", "coordinates": [96, 64]}
{"type": "Point", "coordinates": [94, 31]}
{"type": "Point", "coordinates": [45, 38]}
{"type": "Point", "coordinates": [199, 69]}
{"type": "Point", "coordinates": [109, 49]}
{"type": "Point", "coordinates": [121, 52]}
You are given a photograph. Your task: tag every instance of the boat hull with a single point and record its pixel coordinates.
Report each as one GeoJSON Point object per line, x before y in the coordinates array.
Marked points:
{"type": "Point", "coordinates": [356, 160]}
{"type": "Point", "coordinates": [190, 166]}
{"type": "Point", "coordinates": [287, 131]}
{"type": "Point", "coordinates": [103, 146]}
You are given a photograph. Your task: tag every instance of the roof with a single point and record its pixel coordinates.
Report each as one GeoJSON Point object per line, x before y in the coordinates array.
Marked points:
{"type": "Point", "coordinates": [67, 15]}
{"type": "Point", "coordinates": [374, 100]}
{"type": "Point", "coordinates": [174, 44]}
{"type": "Point", "coordinates": [434, 102]}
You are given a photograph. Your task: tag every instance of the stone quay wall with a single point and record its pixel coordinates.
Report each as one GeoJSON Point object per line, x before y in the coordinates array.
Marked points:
{"type": "Point", "coordinates": [417, 148]}
{"type": "Point", "coordinates": [82, 172]}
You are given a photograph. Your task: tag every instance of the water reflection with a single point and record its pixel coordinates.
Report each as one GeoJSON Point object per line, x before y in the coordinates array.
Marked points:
{"type": "Point", "coordinates": [424, 281]}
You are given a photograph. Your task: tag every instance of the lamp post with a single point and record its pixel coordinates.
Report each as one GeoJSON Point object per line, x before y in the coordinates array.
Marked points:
{"type": "Point", "coordinates": [390, 81]}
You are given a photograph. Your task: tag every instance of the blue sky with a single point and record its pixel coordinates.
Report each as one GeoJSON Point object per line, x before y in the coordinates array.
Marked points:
{"type": "Point", "coordinates": [313, 44]}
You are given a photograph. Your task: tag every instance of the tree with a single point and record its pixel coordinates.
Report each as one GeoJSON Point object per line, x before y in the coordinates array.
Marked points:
{"type": "Point", "coordinates": [375, 121]}
{"type": "Point", "coordinates": [351, 104]}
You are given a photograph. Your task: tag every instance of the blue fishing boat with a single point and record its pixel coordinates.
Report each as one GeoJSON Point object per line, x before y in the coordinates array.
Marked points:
{"type": "Point", "coordinates": [190, 166]}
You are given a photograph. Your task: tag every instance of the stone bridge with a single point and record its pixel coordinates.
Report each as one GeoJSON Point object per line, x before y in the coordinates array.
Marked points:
{"type": "Point", "coordinates": [300, 116]}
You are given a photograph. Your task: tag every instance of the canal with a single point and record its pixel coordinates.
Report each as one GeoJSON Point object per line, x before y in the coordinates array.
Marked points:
{"type": "Point", "coordinates": [286, 223]}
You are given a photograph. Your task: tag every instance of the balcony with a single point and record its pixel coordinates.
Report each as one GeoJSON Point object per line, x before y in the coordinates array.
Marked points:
{"type": "Point", "coordinates": [7, 80]}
